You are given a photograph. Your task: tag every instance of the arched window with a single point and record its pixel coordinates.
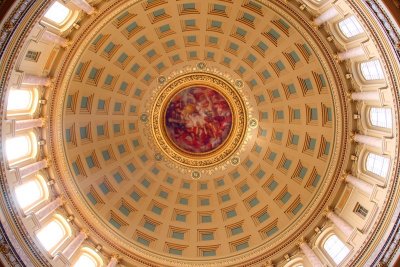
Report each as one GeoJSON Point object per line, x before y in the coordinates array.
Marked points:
{"type": "Point", "coordinates": [20, 148]}
{"type": "Point", "coordinates": [54, 233]}
{"type": "Point", "coordinates": [381, 117]}
{"type": "Point", "coordinates": [377, 164]}
{"type": "Point", "coordinates": [88, 258]}
{"type": "Point", "coordinates": [372, 70]}
{"type": "Point", "coordinates": [336, 249]}
{"type": "Point", "coordinates": [57, 13]}
{"type": "Point", "coordinates": [31, 193]}
{"type": "Point", "coordinates": [22, 101]}
{"type": "Point", "coordinates": [350, 27]}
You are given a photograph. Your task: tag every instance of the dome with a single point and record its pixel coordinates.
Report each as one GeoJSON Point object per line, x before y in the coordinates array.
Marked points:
{"type": "Point", "coordinates": [200, 133]}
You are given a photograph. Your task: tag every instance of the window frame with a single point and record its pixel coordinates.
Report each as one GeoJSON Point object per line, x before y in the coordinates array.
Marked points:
{"type": "Point", "coordinates": [377, 127]}
{"type": "Point", "coordinates": [372, 174]}
{"type": "Point", "coordinates": [361, 211]}
{"type": "Point", "coordinates": [39, 179]}
{"type": "Point", "coordinates": [328, 255]}
{"type": "Point", "coordinates": [67, 233]}
{"type": "Point", "coordinates": [24, 112]}
{"type": "Point", "coordinates": [86, 250]}
{"type": "Point", "coordinates": [365, 78]}
{"type": "Point", "coordinates": [66, 23]}
{"type": "Point", "coordinates": [33, 148]}
{"type": "Point", "coordinates": [353, 37]}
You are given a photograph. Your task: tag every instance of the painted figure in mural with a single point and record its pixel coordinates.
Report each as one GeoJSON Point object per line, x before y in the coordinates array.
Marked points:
{"type": "Point", "coordinates": [198, 119]}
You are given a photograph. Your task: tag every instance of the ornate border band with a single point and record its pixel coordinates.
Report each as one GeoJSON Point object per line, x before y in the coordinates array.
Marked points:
{"type": "Point", "coordinates": [239, 116]}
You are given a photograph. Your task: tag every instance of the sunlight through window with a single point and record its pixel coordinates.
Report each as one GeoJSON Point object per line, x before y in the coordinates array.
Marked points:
{"type": "Point", "coordinates": [57, 13]}
{"type": "Point", "coordinates": [350, 27]}
{"type": "Point", "coordinates": [381, 117]}
{"type": "Point", "coordinates": [378, 165]}
{"type": "Point", "coordinates": [51, 235]}
{"type": "Point", "coordinates": [336, 249]}
{"type": "Point", "coordinates": [372, 70]}
{"type": "Point", "coordinates": [19, 100]}
{"type": "Point", "coordinates": [18, 147]}
{"type": "Point", "coordinates": [28, 193]}
{"type": "Point", "coordinates": [85, 260]}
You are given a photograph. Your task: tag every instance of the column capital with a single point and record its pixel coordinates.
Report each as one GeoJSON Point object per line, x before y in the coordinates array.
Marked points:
{"type": "Point", "coordinates": [344, 175]}
{"type": "Point", "coordinates": [63, 199]}
{"type": "Point", "coordinates": [49, 161]}
{"type": "Point", "coordinates": [348, 95]}
{"type": "Point", "coordinates": [352, 135]}
{"type": "Point", "coordinates": [94, 12]}
{"type": "Point", "coordinates": [301, 240]}
{"type": "Point", "coordinates": [327, 211]}
{"type": "Point", "coordinates": [337, 58]}
{"type": "Point", "coordinates": [67, 43]}
{"type": "Point", "coordinates": [84, 232]}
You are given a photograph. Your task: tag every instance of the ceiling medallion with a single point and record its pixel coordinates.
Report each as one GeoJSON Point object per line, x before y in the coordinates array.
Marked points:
{"type": "Point", "coordinates": [198, 118]}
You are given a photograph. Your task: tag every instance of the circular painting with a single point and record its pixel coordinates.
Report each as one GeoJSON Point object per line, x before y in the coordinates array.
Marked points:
{"type": "Point", "coordinates": [198, 119]}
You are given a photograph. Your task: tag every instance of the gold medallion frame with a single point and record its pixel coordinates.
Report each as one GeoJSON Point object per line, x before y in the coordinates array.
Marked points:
{"type": "Point", "coordinates": [226, 149]}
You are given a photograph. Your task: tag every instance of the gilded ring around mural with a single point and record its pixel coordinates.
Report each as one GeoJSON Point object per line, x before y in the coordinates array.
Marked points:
{"type": "Point", "coordinates": [173, 115]}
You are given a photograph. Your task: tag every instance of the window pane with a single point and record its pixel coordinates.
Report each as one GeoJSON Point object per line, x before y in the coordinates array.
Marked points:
{"type": "Point", "coordinates": [51, 235]}
{"type": "Point", "coordinates": [19, 100]}
{"type": "Point", "coordinates": [28, 193]}
{"type": "Point", "coordinates": [377, 164]}
{"type": "Point", "coordinates": [350, 27]}
{"type": "Point", "coordinates": [381, 117]}
{"type": "Point", "coordinates": [336, 249]}
{"type": "Point", "coordinates": [372, 70]}
{"type": "Point", "coordinates": [57, 13]}
{"type": "Point", "coordinates": [85, 260]}
{"type": "Point", "coordinates": [18, 147]}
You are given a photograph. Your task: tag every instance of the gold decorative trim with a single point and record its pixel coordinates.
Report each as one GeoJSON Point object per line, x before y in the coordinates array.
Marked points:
{"type": "Point", "coordinates": [201, 160]}
{"type": "Point", "coordinates": [218, 159]}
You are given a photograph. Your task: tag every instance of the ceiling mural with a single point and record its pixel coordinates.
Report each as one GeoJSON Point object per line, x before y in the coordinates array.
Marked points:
{"type": "Point", "coordinates": [198, 119]}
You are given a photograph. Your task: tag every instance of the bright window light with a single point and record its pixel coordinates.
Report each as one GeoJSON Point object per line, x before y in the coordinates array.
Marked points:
{"type": "Point", "coordinates": [372, 70]}
{"type": "Point", "coordinates": [28, 193]}
{"type": "Point", "coordinates": [85, 260]}
{"type": "Point", "coordinates": [51, 235]}
{"type": "Point", "coordinates": [57, 13]}
{"type": "Point", "coordinates": [381, 117]}
{"type": "Point", "coordinates": [18, 147]}
{"type": "Point", "coordinates": [350, 27]}
{"type": "Point", "coordinates": [336, 249]}
{"type": "Point", "coordinates": [19, 100]}
{"type": "Point", "coordinates": [378, 165]}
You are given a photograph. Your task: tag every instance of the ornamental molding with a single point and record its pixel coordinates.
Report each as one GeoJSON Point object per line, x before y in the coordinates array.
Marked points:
{"type": "Point", "coordinates": [237, 140]}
